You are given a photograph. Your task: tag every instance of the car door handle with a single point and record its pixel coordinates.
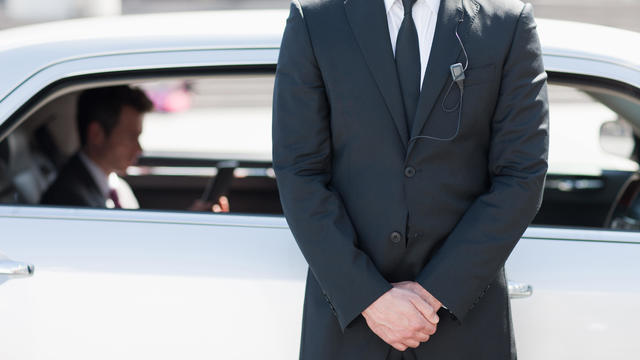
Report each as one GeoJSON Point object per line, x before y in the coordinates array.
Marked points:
{"type": "Point", "coordinates": [519, 290]}
{"type": "Point", "coordinates": [15, 268]}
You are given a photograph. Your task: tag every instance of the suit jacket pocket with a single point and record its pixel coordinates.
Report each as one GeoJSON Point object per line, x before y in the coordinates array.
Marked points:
{"type": "Point", "coordinates": [479, 74]}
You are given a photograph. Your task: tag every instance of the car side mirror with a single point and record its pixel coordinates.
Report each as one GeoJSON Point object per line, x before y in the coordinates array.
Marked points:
{"type": "Point", "coordinates": [616, 137]}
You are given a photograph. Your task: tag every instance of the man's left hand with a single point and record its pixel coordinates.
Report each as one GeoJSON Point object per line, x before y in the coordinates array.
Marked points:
{"type": "Point", "coordinates": [420, 291]}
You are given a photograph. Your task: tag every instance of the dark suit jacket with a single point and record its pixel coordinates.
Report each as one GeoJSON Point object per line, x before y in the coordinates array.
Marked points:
{"type": "Point", "coordinates": [74, 186]}
{"type": "Point", "coordinates": [368, 206]}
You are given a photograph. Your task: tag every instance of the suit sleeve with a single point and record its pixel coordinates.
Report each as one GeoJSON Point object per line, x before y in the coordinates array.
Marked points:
{"type": "Point", "coordinates": [302, 158]}
{"type": "Point", "coordinates": [479, 245]}
{"type": "Point", "coordinates": [60, 194]}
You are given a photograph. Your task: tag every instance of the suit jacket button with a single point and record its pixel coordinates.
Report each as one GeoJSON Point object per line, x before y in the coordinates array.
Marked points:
{"type": "Point", "coordinates": [409, 171]}
{"type": "Point", "coordinates": [395, 237]}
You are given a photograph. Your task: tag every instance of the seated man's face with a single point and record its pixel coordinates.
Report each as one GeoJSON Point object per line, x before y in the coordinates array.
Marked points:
{"type": "Point", "coordinates": [121, 147]}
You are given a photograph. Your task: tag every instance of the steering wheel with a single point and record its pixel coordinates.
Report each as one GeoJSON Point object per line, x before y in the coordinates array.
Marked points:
{"type": "Point", "coordinates": [625, 212]}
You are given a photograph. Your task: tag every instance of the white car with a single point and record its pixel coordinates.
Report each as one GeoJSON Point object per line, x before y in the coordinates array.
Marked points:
{"type": "Point", "coordinates": [163, 283]}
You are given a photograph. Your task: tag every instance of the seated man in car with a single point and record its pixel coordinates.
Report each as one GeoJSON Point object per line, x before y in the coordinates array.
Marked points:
{"type": "Point", "coordinates": [109, 123]}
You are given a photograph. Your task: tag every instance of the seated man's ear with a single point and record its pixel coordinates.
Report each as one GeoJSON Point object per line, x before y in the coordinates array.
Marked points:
{"type": "Point", "coordinates": [95, 134]}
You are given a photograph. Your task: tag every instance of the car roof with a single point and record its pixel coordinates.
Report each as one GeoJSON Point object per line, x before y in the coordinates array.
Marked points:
{"type": "Point", "coordinates": [242, 27]}
{"type": "Point", "coordinates": [24, 51]}
{"type": "Point", "coordinates": [590, 41]}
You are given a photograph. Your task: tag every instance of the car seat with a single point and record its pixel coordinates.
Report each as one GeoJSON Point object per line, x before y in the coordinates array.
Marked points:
{"type": "Point", "coordinates": [28, 173]}
{"type": "Point", "coordinates": [6, 186]}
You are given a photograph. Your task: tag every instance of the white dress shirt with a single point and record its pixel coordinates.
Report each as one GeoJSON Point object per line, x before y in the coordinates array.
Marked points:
{"type": "Point", "coordinates": [425, 16]}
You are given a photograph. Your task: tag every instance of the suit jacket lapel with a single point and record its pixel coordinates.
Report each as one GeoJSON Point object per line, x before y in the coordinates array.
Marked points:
{"type": "Point", "coordinates": [95, 198]}
{"type": "Point", "coordinates": [368, 22]}
{"type": "Point", "coordinates": [444, 52]}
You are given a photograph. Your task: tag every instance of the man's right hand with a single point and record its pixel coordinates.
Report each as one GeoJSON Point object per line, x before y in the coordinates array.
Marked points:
{"type": "Point", "coordinates": [221, 206]}
{"type": "Point", "coordinates": [401, 318]}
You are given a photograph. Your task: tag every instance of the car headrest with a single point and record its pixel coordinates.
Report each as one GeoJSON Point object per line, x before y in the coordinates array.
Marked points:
{"type": "Point", "coordinates": [19, 151]}
{"type": "Point", "coordinates": [5, 177]}
{"type": "Point", "coordinates": [29, 173]}
{"type": "Point", "coordinates": [4, 150]}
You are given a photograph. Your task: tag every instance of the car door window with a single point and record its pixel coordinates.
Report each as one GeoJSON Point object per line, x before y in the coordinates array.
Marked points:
{"type": "Point", "coordinates": [591, 154]}
{"type": "Point", "coordinates": [199, 128]}
{"type": "Point", "coordinates": [214, 117]}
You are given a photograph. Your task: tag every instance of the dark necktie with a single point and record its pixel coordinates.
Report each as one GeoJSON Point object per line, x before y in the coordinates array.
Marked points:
{"type": "Point", "coordinates": [113, 195]}
{"type": "Point", "coordinates": [408, 63]}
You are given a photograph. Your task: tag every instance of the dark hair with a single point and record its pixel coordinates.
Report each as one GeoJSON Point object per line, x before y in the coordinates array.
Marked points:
{"type": "Point", "coordinates": [104, 105]}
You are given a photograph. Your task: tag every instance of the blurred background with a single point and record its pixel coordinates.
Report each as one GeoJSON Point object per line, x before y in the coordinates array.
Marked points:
{"type": "Point", "coordinates": [623, 14]}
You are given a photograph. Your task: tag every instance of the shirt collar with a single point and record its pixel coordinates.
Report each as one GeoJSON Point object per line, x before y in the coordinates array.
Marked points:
{"type": "Point", "coordinates": [431, 4]}
{"type": "Point", "coordinates": [388, 4]}
{"type": "Point", "coordinates": [99, 177]}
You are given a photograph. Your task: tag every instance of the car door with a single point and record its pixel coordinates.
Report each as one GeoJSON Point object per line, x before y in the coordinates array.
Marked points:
{"type": "Point", "coordinates": [579, 283]}
{"type": "Point", "coordinates": [585, 294]}
{"type": "Point", "coordinates": [135, 284]}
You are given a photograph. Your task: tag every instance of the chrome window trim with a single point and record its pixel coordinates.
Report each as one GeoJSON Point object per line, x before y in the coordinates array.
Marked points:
{"type": "Point", "coordinates": [270, 221]}
{"type": "Point", "coordinates": [592, 68]}
{"type": "Point", "coordinates": [141, 216]}
{"type": "Point", "coordinates": [581, 234]}
{"type": "Point", "coordinates": [134, 52]}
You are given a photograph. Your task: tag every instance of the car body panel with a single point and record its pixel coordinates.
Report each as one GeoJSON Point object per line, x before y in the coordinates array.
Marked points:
{"type": "Point", "coordinates": [149, 285]}
{"type": "Point", "coordinates": [609, 51]}
{"type": "Point", "coordinates": [30, 49]}
{"type": "Point", "coordinates": [167, 284]}
{"type": "Point", "coordinates": [585, 293]}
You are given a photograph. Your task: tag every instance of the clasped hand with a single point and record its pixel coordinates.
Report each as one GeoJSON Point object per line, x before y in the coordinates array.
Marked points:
{"type": "Point", "coordinates": [404, 316]}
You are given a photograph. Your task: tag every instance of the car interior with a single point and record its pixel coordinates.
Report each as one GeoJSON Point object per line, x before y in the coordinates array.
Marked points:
{"type": "Point", "coordinates": [209, 135]}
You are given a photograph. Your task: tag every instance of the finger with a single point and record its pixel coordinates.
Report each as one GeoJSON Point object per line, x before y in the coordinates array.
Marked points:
{"type": "Point", "coordinates": [224, 203]}
{"type": "Point", "coordinates": [399, 346]}
{"type": "Point", "coordinates": [418, 289]}
{"type": "Point", "coordinates": [423, 336]}
{"type": "Point", "coordinates": [411, 343]}
{"type": "Point", "coordinates": [419, 336]}
{"type": "Point", "coordinates": [216, 208]}
{"type": "Point", "coordinates": [425, 309]}
{"type": "Point", "coordinates": [428, 328]}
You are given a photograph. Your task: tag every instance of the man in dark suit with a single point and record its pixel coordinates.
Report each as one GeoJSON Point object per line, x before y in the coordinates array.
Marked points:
{"type": "Point", "coordinates": [75, 186]}
{"type": "Point", "coordinates": [407, 199]}
{"type": "Point", "coordinates": [109, 123]}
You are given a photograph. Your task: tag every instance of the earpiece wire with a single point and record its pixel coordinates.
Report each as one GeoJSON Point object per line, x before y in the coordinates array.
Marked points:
{"type": "Point", "coordinates": [459, 103]}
